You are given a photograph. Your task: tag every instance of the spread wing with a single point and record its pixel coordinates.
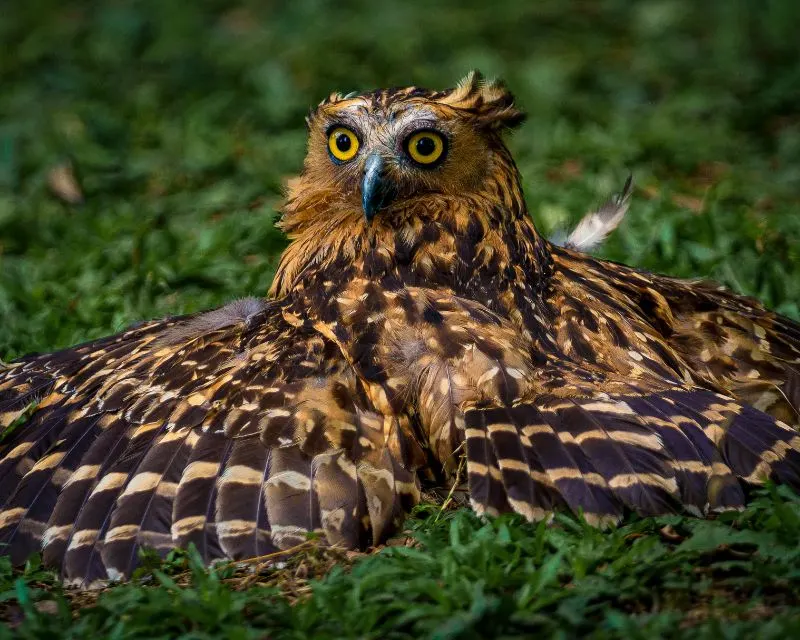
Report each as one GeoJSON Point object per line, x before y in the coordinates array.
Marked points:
{"type": "Point", "coordinates": [573, 420]}
{"type": "Point", "coordinates": [242, 429]}
{"type": "Point", "coordinates": [658, 395]}
{"type": "Point", "coordinates": [604, 446]}
{"type": "Point", "coordinates": [156, 438]}
{"type": "Point", "coordinates": [725, 340]}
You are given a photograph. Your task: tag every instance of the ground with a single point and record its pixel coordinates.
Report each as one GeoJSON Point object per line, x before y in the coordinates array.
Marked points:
{"type": "Point", "coordinates": [179, 123]}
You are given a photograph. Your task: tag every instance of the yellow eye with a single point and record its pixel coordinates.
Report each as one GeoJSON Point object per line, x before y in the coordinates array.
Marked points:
{"type": "Point", "coordinates": [343, 144]}
{"type": "Point", "coordinates": [426, 147]}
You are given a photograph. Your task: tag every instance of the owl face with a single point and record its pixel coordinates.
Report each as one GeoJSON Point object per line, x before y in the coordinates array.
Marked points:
{"type": "Point", "coordinates": [380, 151]}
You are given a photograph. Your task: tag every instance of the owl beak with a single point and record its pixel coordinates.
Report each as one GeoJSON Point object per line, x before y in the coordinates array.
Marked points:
{"type": "Point", "coordinates": [376, 189]}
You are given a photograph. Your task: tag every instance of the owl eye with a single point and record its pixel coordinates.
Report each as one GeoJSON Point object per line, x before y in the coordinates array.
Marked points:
{"type": "Point", "coordinates": [426, 148]}
{"type": "Point", "coordinates": [342, 144]}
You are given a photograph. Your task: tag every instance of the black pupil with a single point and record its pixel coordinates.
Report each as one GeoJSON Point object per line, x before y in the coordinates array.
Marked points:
{"type": "Point", "coordinates": [426, 146]}
{"type": "Point", "coordinates": [343, 142]}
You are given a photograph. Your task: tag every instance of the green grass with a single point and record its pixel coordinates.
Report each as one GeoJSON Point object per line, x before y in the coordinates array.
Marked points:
{"type": "Point", "coordinates": [183, 119]}
{"type": "Point", "coordinates": [462, 578]}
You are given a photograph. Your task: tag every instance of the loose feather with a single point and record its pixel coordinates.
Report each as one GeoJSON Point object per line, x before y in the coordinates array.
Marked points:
{"type": "Point", "coordinates": [597, 225]}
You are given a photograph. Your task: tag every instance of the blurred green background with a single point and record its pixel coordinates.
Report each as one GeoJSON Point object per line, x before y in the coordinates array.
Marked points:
{"type": "Point", "coordinates": [181, 120]}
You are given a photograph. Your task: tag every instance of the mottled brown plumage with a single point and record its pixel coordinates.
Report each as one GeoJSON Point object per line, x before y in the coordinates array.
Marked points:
{"type": "Point", "coordinates": [417, 316]}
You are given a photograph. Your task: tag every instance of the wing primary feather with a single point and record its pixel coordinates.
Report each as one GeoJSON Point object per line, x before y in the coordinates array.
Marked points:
{"type": "Point", "coordinates": [38, 491]}
{"type": "Point", "coordinates": [610, 436]}
{"type": "Point", "coordinates": [753, 444]}
{"type": "Point", "coordinates": [243, 526]}
{"type": "Point", "coordinates": [28, 446]}
{"type": "Point", "coordinates": [102, 454]}
{"type": "Point", "coordinates": [567, 467]}
{"type": "Point", "coordinates": [342, 503]}
{"type": "Point", "coordinates": [291, 501]}
{"type": "Point", "coordinates": [143, 511]}
{"type": "Point", "coordinates": [193, 519]}
{"type": "Point", "coordinates": [704, 480]}
{"type": "Point", "coordinates": [83, 561]}
{"type": "Point", "coordinates": [505, 437]}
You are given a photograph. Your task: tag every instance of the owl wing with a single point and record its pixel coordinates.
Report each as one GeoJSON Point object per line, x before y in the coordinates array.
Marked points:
{"type": "Point", "coordinates": [543, 431]}
{"type": "Point", "coordinates": [736, 343]}
{"type": "Point", "coordinates": [727, 341]}
{"type": "Point", "coordinates": [605, 446]}
{"type": "Point", "coordinates": [155, 438]}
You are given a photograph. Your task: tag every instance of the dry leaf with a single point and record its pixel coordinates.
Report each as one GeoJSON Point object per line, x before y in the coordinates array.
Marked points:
{"type": "Point", "coordinates": [568, 170]}
{"type": "Point", "coordinates": [689, 202]}
{"type": "Point", "coordinates": [62, 182]}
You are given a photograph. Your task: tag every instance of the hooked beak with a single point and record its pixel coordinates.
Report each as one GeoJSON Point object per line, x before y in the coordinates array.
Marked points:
{"type": "Point", "coordinates": [376, 190]}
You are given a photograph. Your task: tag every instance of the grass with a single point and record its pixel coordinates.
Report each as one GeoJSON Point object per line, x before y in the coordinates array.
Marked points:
{"type": "Point", "coordinates": [180, 122]}
{"type": "Point", "coordinates": [458, 577]}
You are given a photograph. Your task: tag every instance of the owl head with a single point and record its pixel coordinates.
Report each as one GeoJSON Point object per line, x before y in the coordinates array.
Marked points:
{"type": "Point", "coordinates": [385, 150]}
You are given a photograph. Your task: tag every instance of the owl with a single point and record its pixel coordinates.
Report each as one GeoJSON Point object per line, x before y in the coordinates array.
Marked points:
{"type": "Point", "coordinates": [418, 323]}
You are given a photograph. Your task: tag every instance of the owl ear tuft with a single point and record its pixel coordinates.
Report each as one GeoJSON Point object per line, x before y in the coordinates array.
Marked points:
{"type": "Point", "coordinates": [489, 102]}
